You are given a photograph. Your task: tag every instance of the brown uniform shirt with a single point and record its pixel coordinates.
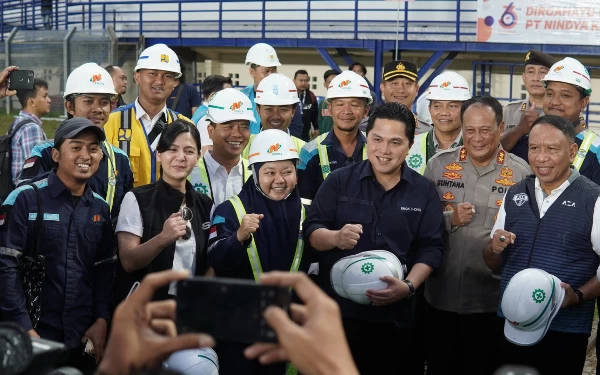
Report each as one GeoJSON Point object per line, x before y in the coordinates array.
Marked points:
{"type": "Point", "coordinates": [514, 110]}
{"type": "Point", "coordinates": [464, 283]}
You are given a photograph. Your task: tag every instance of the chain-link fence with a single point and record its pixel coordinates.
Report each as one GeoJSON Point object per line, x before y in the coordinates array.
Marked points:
{"type": "Point", "coordinates": [52, 55]}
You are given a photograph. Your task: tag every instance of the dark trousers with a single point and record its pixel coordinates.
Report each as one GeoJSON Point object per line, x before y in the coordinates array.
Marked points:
{"type": "Point", "coordinates": [460, 343]}
{"type": "Point", "coordinates": [233, 362]}
{"type": "Point", "coordinates": [557, 353]}
{"type": "Point", "coordinates": [382, 348]}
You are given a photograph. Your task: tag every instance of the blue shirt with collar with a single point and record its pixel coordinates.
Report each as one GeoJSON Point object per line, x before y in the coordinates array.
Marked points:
{"type": "Point", "coordinates": [310, 176]}
{"type": "Point", "coordinates": [296, 125]}
{"type": "Point", "coordinates": [77, 241]}
{"type": "Point", "coordinates": [40, 163]}
{"type": "Point", "coordinates": [405, 220]}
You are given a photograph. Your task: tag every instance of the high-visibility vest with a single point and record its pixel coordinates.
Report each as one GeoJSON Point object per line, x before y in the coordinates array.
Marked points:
{"type": "Point", "coordinates": [417, 155]}
{"type": "Point", "coordinates": [324, 157]}
{"type": "Point", "coordinates": [112, 175]}
{"type": "Point", "coordinates": [200, 179]}
{"type": "Point", "coordinates": [253, 257]}
{"type": "Point", "coordinates": [584, 148]}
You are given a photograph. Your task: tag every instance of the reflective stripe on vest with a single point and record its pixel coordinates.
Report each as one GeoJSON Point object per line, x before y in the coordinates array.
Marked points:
{"type": "Point", "coordinates": [324, 157]}
{"type": "Point", "coordinates": [112, 175]}
{"type": "Point", "coordinates": [253, 257]}
{"type": "Point", "coordinates": [583, 149]}
{"type": "Point", "coordinates": [417, 156]}
{"type": "Point", "coordinates": [200, 179]}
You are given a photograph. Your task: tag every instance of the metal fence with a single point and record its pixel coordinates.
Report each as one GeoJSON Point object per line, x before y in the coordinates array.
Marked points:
{"type": "Point", "coordinates": [53, 55]}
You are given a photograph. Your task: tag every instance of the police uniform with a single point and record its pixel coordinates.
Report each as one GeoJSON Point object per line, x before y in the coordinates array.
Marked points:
{"type": "Point", "coordinates": [513, 111]}
{"type": "Point", "coordinates": [463, 295]}
{"type": "Point", "coordinates": [124, 130]}
{"type": "Point", "coordinates": [112, 180]}
{"type": "Point", "coordinates": [323, 155]}
{"type": "Point", "coordinates": [77, 241]}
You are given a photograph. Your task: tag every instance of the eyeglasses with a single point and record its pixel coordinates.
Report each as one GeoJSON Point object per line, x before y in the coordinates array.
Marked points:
{"type": "Point", "coordinates": [187, 215]}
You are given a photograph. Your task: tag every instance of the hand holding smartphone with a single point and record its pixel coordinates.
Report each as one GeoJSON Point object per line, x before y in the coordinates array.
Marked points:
{"type": "Point", "coordinates": [228, 309]}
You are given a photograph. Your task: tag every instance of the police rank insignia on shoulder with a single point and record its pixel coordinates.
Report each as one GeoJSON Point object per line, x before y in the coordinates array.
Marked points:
{"type": "Point", "coordinates": [501, 157]}
{"type": "Point", "coordinates": [462, 154]}
{"type": "Point", "coordinates": [524, 106]}
{"type": "Point", "coordinates": [453, 167]}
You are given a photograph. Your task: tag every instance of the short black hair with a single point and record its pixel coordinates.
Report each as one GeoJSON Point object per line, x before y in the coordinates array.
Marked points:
{"type": "Point", "coordinates": [173, 130]}
{"type": "Point", "coordinates": [214, 83]}
{"type": "Point", "coordinates": [395, 112]}
{"type": "Point", "coordinates": [301, 71]}
{"type": "Point", "coordinates": [483, 100]}
{"type": "Point", "coordinates": [329, 73]}
{"type": "Point", "coordinates": [559, 123]}
{"type": "Point", "coordinates": [111, 69]}
{"type": "Point", "coordinates": [25, 95]}
{"type": "Point", "coordinates": [362, 67]}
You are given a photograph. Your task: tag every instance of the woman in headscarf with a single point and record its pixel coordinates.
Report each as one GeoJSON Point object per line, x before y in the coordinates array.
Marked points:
{"type": "Point", "coordinates": [164, 225]}
{"type": "Point", "coordinates": [259, 230]}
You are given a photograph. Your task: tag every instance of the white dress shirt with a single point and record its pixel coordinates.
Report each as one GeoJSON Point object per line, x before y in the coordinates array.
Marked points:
{"type": "Point", "coordinates": [224, 185]}
{"type": "Point", "coordinates": [147, 122]}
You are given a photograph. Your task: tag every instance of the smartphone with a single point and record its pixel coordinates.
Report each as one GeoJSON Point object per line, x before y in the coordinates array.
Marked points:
{"type": "Point", "coordinates": [228, 309]}
{"type": "Point", "coordinates": [21, 80]}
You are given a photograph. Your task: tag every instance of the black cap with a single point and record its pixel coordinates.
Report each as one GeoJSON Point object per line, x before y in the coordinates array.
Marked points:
{"type": "Point", "coordinates": [400, 68]}
{"type": "Point", "coordinates": [534, 57]}
{"type": "Point", "coordinates": [69, 129]}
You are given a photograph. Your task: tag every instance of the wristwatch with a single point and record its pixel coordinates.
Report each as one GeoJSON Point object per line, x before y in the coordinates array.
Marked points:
{"type": "Point", "coordinates": [411, 288]}
{"type": "Point", "coordinates": [579, 297]}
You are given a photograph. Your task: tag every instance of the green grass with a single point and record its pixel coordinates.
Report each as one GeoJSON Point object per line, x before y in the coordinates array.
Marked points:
{"type": "Point", "coordinates": [49, 126]}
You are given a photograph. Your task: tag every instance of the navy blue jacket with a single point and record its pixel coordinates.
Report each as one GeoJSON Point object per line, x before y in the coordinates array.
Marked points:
{"type": "Point", "coordinates": [558, 243]}
{"type": "Point", "coordinates": [405, 220]}
{"type": "Point", "coordinates": [590, 167]}
{"type": "Point", "coordinates": [40, 162]}
{"type": "Point", "coordinates": [310, 176]}
{"type": "Point", "coordinates": [77, 242]}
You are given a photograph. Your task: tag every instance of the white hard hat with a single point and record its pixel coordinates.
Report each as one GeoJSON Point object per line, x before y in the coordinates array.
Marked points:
{"type": "Point", "coordinates": [423, 110]}
{"type": "Point", "coordinates": [449, 86]}
{"type": "Point", "coordinates": [272, 145]}
{"type": "Point", "coordinates": [353, 275]}
{"type": "Point", "coordinates": [530, 301]}
{"type": "Point", "coordinates": [262, 54]}
{"type": "Point", "coordinates": [276, 89]}
{"type": "Point", "coordinates": [228, 105]}
{"type": "Point", "coordinates": [569, 70]}
{"type": "Point", "coordinates": [159, 57]}
{"type": "Point", "coordinates": [89, 78]}
{"type": "Point", "coordinates": [203, 361]}
{"type": "Point", "coordinates": [349, 85]}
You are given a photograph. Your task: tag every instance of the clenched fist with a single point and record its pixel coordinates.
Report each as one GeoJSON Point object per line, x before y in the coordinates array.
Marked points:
{"type": "Point", "coordinates": [501, 240]}
{"type": "Point", "coordinates": [527, 120]}
{"type": "Point", "coordinates": [348, 236]}
{"type": "Point", "coordinates": [463, 214]}
{"type": "Point", "coordinates": [249, 225]}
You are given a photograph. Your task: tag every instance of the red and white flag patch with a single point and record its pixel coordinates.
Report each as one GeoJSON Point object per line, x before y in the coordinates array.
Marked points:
{"type": "Point", "coordinates": [213, 232]}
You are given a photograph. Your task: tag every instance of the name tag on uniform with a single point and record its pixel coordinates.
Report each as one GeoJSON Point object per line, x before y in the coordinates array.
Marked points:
{"type": "Point", "coordinates": [47, 217]}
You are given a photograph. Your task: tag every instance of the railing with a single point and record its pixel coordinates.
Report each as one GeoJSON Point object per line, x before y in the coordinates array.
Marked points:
{"type": "Point", "coordinates": [28, 15]}
{"type": "Point", "coordinates": [443, 20]}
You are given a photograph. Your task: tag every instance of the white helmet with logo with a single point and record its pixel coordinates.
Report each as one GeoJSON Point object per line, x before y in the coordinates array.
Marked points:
{"type": "Point", "coordinates": [89, 78]}
{"type": "Point", "coordinates": [449, 86]}
{"type": "Point", "coordinates": [262, 54]}
{"type": "Point", "coordinates": [203, 361]}
{"type": "Point", "coordinates": [159, 57]}
{"type": "Point", "coordinates": [569, 70]}
{"type": "Point", "coordinates": [530, 301]}
{"type": "Point", "coordinates": [228, 105]}
{"type": "Point", "coordinates": [353, 275]}
{"type": "Point", "coordinates": [276, 89]}
{"type": "Point", "coordinates": [272, 145]}
{"type": "Point", "coordinates": [349, 85]}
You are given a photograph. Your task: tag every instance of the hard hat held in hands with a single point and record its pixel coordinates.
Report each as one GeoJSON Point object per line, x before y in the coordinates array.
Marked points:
{"type": "Point", "coordinates": [276, 89]}
{"type": "Point", "coordinates": [272, 145]}
{"type": "Point", "coordinates": [262, 54]}
{"type": "Point", "coordinates": [159, 57]}
{"type": "Point", "coordinates": [569, 70]}
{"type": "Point", "coordinates": [449, 86]}
{"type": "Point", "coordinates": [229, 105]}
{"type": "Point", "coordinates": [530, 301]}
{"type": "Point", "coordinates": [353, 275]}
{"type": "Point", "coordinates": [89, 78]}
{"type": "Point", "coordinates": [202, 361]}
{"type": "Point", "coordinates": [349, 85]}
